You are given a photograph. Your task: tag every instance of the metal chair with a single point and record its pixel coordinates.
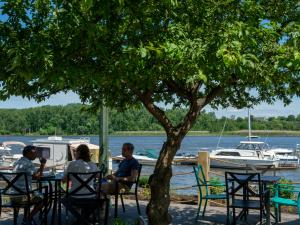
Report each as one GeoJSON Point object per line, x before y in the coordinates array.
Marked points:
{"type": "Point", "coordinates": [279, 199]}
{"type": "Point", "coordinates": [244, 191]}
{"type": "Point", "coordinates": [202, 182]}
{"type": "Point", "coordinates": [121, 193]}
{"type": "Point", "coordinates": [85, 200]}
{"type": "Point", "coordinates": [18, 194]}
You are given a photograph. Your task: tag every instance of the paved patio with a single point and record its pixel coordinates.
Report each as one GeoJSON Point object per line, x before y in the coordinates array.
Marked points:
{"type": "Point", "coordinates": [182, 215]}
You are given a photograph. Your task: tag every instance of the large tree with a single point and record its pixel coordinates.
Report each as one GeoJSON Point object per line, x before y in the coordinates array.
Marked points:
{"type": "Point", "coordinates": [185, 53]}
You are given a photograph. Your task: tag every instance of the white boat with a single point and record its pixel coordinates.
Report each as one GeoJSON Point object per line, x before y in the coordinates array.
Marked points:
{"type": "Point", "coordinates": [185, 159]}
{"type": "Point", "coordinates": [254, 153]}
{"type": "Point", "coordinates": [6, 157]}
{"type": "Point", "coordinates": [288, 158]}
{"type": "Point", "coordinates": [58, 150]}
{"type": "Point", "coordinates": [149, 157]}
{"type": "Point", "coordinates": [248, 154]}
{"type": "Point", "coordinates": [4, 152]}
{"type": "Point", "coordinates": [144, 160]}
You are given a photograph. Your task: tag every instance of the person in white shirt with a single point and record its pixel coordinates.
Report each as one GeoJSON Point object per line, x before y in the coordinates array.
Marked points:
{"type": "Point", "coordinates": [25, 165]}
{"type": "Point", "coordinates": [82, 164]}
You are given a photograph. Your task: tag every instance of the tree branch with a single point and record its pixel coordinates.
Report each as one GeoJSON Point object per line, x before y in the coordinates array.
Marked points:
{"type": "Point", "coordinates": [283, 25]}
{"type": "Point", "coordinates": [173, 86]}
{"type": "Point", "coordinates": [213, 93]}
{"type": "Point", "coordinates": [196, 105]}
{"type": "Point", "coordinates": [159, 114]}
{"type": "Point", "coordinates": [218, 90]}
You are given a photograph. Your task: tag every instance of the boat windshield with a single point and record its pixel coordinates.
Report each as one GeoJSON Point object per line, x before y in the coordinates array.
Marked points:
{"type": "Point", "coordinates": [252, 146]}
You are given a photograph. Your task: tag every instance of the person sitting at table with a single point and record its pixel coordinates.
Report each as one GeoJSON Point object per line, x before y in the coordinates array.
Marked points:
{"type": "Point", "coordinates": [126, 173]}
{"type": "Point", "coordinates": [82, 164]}
{"type": "Point", "coordinates": [25, 164]}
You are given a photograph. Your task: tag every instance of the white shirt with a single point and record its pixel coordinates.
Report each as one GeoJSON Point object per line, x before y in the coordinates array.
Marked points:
{"type": "Point", "coordinates": [24, 165]}
{"type": "Point", "coordinates": [80, 166]}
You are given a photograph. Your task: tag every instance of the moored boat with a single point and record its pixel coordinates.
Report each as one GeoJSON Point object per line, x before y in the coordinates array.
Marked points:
{"type": "Point", "coordinates": [288, 158]}
{"type": "Point", "coordinates": [149, 157]}
{"type": "Point", "coordinates": [247, 154]}
{"type": "Point", "coordinates": [58, 150]}
{"type": "Point", "coordinates": [6, 156]}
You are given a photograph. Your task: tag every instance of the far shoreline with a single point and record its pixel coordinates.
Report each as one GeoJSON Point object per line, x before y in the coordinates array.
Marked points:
{"type": "Point", "coordinates": [244, 133]}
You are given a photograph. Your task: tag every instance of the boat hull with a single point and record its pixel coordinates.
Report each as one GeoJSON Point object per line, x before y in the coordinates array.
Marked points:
{"type": "Point", "coordinates": [144, 160]}
{"type": "Point", "coordinates": [237, 163]}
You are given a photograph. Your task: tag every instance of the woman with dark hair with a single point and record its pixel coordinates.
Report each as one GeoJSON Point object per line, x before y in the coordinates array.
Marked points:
{"type": "Point", "coordinates": [83, 152]}
{"type": "Point", "coordinates": [82, 164]}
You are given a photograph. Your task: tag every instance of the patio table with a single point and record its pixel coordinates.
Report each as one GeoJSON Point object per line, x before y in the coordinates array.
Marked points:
{"type": "Point", "coordinates": [55, 193]}
{"type": "Point", "coordinates": [265, 179]}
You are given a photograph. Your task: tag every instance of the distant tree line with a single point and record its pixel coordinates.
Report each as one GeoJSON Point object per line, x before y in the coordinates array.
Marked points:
{"type": "Point", "coordinates": [73, 119]}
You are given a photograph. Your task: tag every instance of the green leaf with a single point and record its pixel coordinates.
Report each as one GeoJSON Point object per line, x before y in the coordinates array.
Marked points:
{"type": "Point", "coordinates": [143, 52]}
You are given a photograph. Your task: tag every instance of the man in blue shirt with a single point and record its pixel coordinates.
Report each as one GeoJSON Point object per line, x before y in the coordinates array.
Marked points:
{"type": "Point", "coordinates": [126, 173]}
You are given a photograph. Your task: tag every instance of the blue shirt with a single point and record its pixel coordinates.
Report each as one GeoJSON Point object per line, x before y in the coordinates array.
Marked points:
{"type": "Point", "coordinates": [126, 166]}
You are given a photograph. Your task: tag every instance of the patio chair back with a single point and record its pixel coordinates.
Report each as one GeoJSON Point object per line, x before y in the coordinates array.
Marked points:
{"type": "Point", "coordinates": [88, 184]}
{"type": "Point", "coordinates": [201, 181]}
{"type": "Point", "coordinates": [244, 191]}
{"type": "Point", "coordinates": [86, 196]}
{"type": "Point", "coordinates": [280, 200]}
{"type": "Point", "coordinates": [14, 184]}
{"type": "Point", "coordinates": [135, 193]}
{"type": "Point", "coordinates": [15, 193]}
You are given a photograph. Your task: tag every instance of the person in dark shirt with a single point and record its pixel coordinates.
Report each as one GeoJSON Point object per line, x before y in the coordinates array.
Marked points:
{"type": "Point", "coordinates": [126, 173]}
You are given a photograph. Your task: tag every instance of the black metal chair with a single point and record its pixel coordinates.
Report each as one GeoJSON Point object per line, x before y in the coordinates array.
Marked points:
{"type": "Point", "coordinates": [16, 193]}
{"type": "Point", "coordinates": [121, 193]}
{"type": "Point", "coordinates": [244, 191]}
{"type": "Point", "coordinates": [87, 199]}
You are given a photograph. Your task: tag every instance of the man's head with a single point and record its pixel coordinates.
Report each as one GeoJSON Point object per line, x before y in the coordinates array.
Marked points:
{"type": "Point", "coordinates": [30, 152]}
{"type": "Point", "coordinates": [127, 150]}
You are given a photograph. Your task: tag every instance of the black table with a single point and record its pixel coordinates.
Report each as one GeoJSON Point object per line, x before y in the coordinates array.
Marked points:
{"type": "Point", "coordinates": [55, 194]}
{"type": "Point", "coordinates": [269, 180]}
{"type": "Point", "coordinates": [266, 180]}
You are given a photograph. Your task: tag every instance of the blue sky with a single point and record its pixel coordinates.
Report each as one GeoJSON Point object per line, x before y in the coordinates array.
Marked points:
{"type": "Point", "coordinates": [263, 110]}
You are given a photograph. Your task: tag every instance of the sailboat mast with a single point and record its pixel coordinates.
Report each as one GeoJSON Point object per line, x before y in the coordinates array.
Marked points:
{"type": "Point", "coordinates": [249, 125]}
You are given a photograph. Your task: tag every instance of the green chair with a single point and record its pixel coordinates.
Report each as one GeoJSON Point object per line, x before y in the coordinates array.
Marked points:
{"type": "Point", "coordinates": [202, 182]}
{"type": "Point", "coordinates": [279, 199]}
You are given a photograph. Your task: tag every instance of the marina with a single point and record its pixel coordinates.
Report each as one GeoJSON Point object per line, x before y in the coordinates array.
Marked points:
{"type": "Point", "coordinates": [191, 145]}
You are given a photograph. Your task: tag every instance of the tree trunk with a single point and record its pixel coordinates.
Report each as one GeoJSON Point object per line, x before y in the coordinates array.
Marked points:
{"type": "Point", "coordinates": [157, 209]}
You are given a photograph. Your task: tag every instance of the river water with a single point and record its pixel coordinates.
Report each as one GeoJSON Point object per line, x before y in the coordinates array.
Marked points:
{"type": "Point", "coordinates": [191, 144]}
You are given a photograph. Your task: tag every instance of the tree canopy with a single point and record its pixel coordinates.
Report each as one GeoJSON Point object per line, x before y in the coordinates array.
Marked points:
{"type": "Point", "coordinates": [119, 50]}
{"type": "Point", "coordinates": [125, 53]}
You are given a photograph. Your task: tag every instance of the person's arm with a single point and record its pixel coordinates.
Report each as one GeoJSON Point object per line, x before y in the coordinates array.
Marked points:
{"type": "Point", "coordinates": [66, 171]}
{"type": "Point", "coordinates": [111, 176]}
{"type": "Point", "coordinates": [131, 178]}
{"type": "Point", "coordinates": [39, 172]}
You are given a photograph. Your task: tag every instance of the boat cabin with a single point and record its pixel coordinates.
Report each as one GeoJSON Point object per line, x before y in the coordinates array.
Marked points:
{"type": "Point", "coordinates": [58, 151]}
